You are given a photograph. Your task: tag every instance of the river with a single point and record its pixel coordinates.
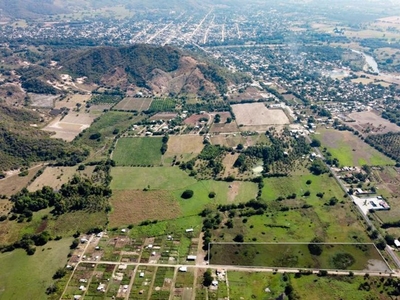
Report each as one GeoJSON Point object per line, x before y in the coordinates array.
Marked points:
{"type": "Point", "coordinates": [370, 61]}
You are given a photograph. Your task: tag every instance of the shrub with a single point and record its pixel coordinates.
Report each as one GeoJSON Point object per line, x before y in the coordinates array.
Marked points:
{"type": "Point", "coordinates": [211, 195]}
{"type": "Point", "coordinates": [187, 194]}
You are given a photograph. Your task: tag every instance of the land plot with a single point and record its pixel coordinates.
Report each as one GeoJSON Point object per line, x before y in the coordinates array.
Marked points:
{"type": "Point", "coordinates": [290, 225]}
{"type": "Point", "coordinates": [184, 284]}
{"type": "Point", "coordinates": [68, 127]}
{"type": "Point", "coordinates": [232, 140]}
{"type": "Point", "coordinates": [141, 285]}
{"type": "Point", "coordinates": [350, 150]}
{"type": "Point", "coordinates": [224, 127]}
{"type": "Point", "coordinates": [157, 178]}
{"type": "Point", "coordinates": [312, 287]}
{"type": "Point", "coordinates": [42, 100]}
{"type": "Point", "coordinates": [133, 207]}
{"type": "Point", "coordinates": [184, 147]}
{"type": "Point", "coordinates": [24, 270]}
{"type": "Point", "coordinates": [14, 183]}
{"type": "Point", "coordinates": [163, 116]}
{"type": "Point", "coordinates": [72, 101]}
{"type": "Point", "coordinates": [55, 177]}
{"type": "Point", "coordinates": [162, 105]}
{"type": "Point", "coordinates": [368, 120]}
{"type": "Point", "coordinates": [134, 104]}
{"type": "Point", "coordinates": [361, 257]}
{"type": "Point", "coordinates": [245, 285]}
{"type": "Point", "coordinates": [253, 114]}
{"type": "Point", "coordinates": [251, 93]}
{"type": "Point", "coordinates": [138, 151]}
{"type": "Point", "coordinates": [197, 118]}
{"type": "Point", "coordinates": [162, 283]}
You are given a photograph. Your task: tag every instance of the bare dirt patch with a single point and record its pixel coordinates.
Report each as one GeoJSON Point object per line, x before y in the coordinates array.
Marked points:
{"type": "Point", "coordinates": [184, 144]}
{"type": "Point", "coordinates": [13, 184]}
{"type": "Point", "coordinates": [224, 127]}
{"type": "Point", "coordinates": [233, 191]}
{"type": "Point", "coordinates": [137, 104]}
{"type": "Point", "coordinates": [42, 100]}
{"type": "Point", "coordinates": [164, 116]}
{"type": "Point", "coordinates": [68, 127]}
{"type": "Point", "coordinates": [371, 123]}
{"type": "Point", "coordinates": [251, 93]}
{"type": "Point", "coordinates": [133, 207]}
{"type": "Point", "coordinates": [195, 119]}
{"type": "Point", "coordinates": [57, 176]}
{"type": "Point", "coordinates": [72, 101]}
{"type": "Point", "coordinates": [255, 114]}
{"type": "Point", "coordinates": [228, 162]}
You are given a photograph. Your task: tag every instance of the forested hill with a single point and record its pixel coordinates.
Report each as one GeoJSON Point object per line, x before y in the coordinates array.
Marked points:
{"type": "Point", "coordinates": [160, 69]}
{"type": "Point", "coordinates": [21, 144]}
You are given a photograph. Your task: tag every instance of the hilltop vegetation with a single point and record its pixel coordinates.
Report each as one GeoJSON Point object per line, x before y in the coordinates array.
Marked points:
{"type": "Point", "coordinates": [21, 144]}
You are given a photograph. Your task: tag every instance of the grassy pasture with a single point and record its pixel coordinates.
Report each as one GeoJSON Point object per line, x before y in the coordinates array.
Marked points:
{"type": "Point", "coordinates": [13, 184]}
{"type": "Point", "coordinates": [349, 149]}
{"type": "Point", "coordinates": [248, 285]}
{"type": "Point", "coordinates": [184, 147]}
{"type": "Point", "coordinates": [133, 207]}
{"type": "Point", "coordinates": [27, 277]}
{"type": "Point", "coordinates": [298, 256]}
{"type": "Point", "coordinates": [336, 287]}
{"type": "Point", "coordinates": [138, 151]}
{"type": "Point", "coordinates": [57, 176]}
{"type": "Point", "coordinates": [162, 105]}
{"type": "Point", "coordinates": [334, 223]}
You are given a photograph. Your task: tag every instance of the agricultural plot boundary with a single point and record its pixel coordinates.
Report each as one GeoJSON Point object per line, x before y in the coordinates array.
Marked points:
{"type": "Point", "coordinates": [372, 260]}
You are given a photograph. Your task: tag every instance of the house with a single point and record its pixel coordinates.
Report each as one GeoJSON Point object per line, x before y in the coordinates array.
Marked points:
{"type": "Point", "coordinates": [101, 287]}
{"type": "Point", "coordinates": [183, 269]}
{"type": "Point", "coordinates": [214, 283]}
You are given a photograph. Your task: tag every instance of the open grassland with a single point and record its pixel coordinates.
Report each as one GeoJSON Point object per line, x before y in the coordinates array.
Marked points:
{"type": "Point", "coordinates": [351, 150]}
{"type": "Point", "coordinates": [138, 151]}
{"type": "Point", "coordinates": [184, 147]}
{"type": "Point", "coordinates": [13, 184]}
{"type": "Point", "coordinates": [334, 256]}
{"type": "Point", "coordinates": [106, 126]}
{"type": "Point", "coordinates": [176, 181]}
{"type": "Point", "coordinates": [158, 178]}
{"type": "Point", "coordinates": [255, 114]}
{"type": "Point", "coordinates": [252, 285]}
{"type": "Point", "coordinates": [232, 140]}
{"type": "Point", "coordinates": [134, 104]}
{"type": "Point", "coordinates": [55, 177]}
{"type": "Point", "coordinates": [372, 122]}
{"type": "Point", "coordinates": [312, 287]}
{"type": "Point", "coordinates": [27, 277]}
{"type": "Point", "coordinates": [133, 207]}
{"type": "Point", "coordinates": [72, 101]}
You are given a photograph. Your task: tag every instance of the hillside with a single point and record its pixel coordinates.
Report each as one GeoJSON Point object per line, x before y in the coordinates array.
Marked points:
{"type": "Point", "coordinates": [162, 70]}
{"type": "Point", "coordinates": [21, 144]}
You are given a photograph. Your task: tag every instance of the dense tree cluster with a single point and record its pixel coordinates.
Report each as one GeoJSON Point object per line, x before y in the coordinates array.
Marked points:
{"type": "Point", "coordinates": [388, 143]}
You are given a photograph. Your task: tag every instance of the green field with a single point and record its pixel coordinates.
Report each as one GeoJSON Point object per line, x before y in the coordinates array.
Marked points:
{"type": "Point", "coordinates": [350, 150]}
{"type": "Point", "coordinates": [243, 285]}
{"type": "Point", "coordinates": [334, 256]}
{"type": "Point", "coordinates": [27, 277]}
{"type": "Point", "coordinates": [138, 151]}
{"type": "Point", "coordinates": [162, 105]}
{"type": "Point", "coordinates": [311, 287]}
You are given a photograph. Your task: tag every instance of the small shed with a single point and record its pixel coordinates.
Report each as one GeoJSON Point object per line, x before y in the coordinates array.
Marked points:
{"type": "Point", "coordinates": [191, 257]}
{"type": "Point", "coordinates": [397, 243]}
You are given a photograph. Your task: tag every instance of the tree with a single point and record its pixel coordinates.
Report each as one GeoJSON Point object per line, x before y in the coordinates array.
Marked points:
{"type": "Point", "coordinates": [315, 247]}
{"type": "Point", "coordinates": [217, 118]}
{"type": "Point", "coordinates": [315, 143]}
{"type": "Point", "coordinates": [187, 194]}
{"type": "Point", "coordinates": [239, 238]}
{"type": "Point", "coordinates": [60, 273]}
{"type": "Point", "coordinates": [318, 167]}
{"type": "Point", "coordinates": [207, 278]}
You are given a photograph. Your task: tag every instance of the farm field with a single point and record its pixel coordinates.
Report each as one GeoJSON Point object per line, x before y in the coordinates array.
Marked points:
{"type": "Point", "coordinates": [337, 287]}
{"type": "Point", "coordinates": [248, 285]}
{"type": "Point", "coordinates": [162, 105]}
{"type": "Point", "coordinates": [349, 149]}
{"type": "Point", "coordinates": [71, 101]}
{"type": "Point", "coordinates": [232, 140]}
{"type": "Point", "coordinates": [138, 151]}
{"type": "Point", "coordinates": [68, 127]}
{"type": "Point", "coordinates": [55, 177]}
{"type": "Point", "coordinates": [363, 257]}
{"type": "Point", "coordinates": [163, 116]}
{"type": "Point", "coordinates": [42, 100]}
{"type": "Point", "coordinates": [13, 184]}
{"type": "Point", "coordinates": [24, 270]}
{"type": "Point", "coordinates": [375, 123]}
{"type": "Point", "coordinates": [184, 147]}
{"type": "Point", "coordinates": [224, 127]}
{"type": "Point", "coordinates": [133, 207]}
{"type": "Point", "coordinates": [255, 114]}
{"type": "Point", "coordinates": [133, 104]}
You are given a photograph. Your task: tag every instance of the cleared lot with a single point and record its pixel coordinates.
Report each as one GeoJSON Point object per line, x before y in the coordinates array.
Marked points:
{"type": "Point", "coordinates": [138, 104]}
{"type": "Point", "coordinates": [370, 122]}
{"type": "Point", "coordinates": [255, 114]}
